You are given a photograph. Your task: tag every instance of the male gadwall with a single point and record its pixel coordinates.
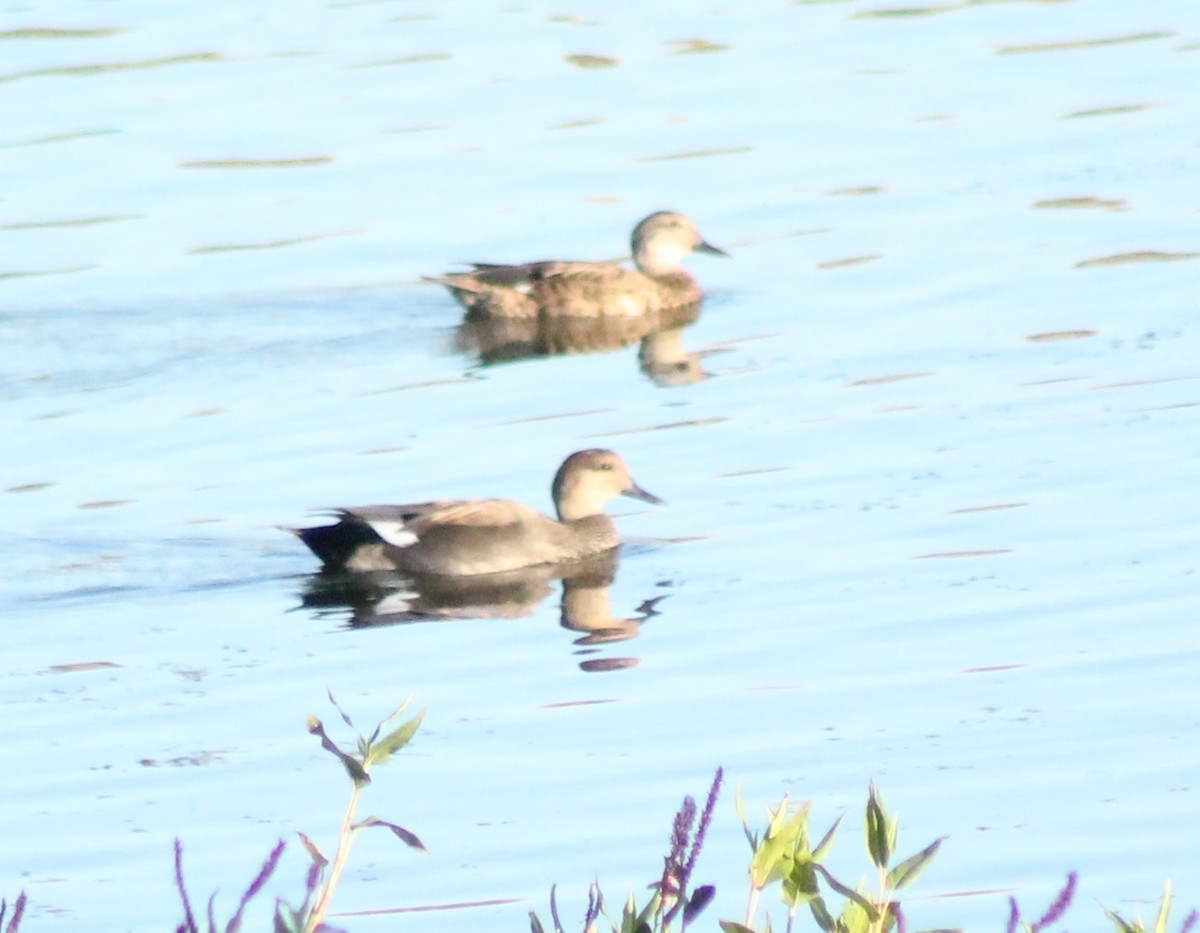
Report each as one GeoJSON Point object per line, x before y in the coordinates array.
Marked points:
{"type": "Point", "coordinates": [467, 537]}
{"type": "Point", "coordinates": [589, 289]}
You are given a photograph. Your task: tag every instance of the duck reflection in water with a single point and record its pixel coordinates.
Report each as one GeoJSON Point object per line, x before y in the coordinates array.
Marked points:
{"type": "Point", "coordinates": [661, 355]}
{"type": "Point", "coordinates": [384, 598]}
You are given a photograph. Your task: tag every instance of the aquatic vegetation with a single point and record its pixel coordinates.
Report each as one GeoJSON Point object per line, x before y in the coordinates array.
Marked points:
{"type": "Point", "coordinates": [1160, 921]}
{"type": "Point", "coordinates": [323, 874]}
{"type": "Point", "coordinates": [14, 922]}
{"type": "Point", "coordinates": [1052, 914]}
{"type": "Point", "coordinates": [670, 898]}
{"type": "Point", "coordinates": [782, 853]}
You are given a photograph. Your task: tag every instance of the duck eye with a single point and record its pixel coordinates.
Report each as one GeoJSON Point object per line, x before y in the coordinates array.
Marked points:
{"type": "Point", "coordinates": [606, 466]}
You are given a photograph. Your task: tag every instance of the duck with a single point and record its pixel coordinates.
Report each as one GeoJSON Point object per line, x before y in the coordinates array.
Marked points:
{"type": "Point", "coordinates": [465, 537]}
{"type": "Point", "coordinates": [591, 289]}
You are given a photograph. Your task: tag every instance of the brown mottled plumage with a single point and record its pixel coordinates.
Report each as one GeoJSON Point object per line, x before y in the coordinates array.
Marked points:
{"type": "Point", "coordinates": [590, 289]}
{"type": "Point", "coordinates": [467, 537]}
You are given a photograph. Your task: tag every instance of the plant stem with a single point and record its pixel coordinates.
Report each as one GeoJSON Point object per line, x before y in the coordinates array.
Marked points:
{"type": "Point", "coordinates": [345, 840]}
{"type": "Point", "coordinates": [752, 905]}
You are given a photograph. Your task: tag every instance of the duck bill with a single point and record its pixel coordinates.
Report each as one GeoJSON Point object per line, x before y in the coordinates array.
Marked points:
{"type": "Point", "coordinates": [706, 247]}
{"type": "Point", "coordinates": [637, 492]}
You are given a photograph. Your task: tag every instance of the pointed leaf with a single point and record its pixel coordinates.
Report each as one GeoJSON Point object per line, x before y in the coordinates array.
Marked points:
{"type": "Point", "coordinates": [878, 831]}
{"type": "Point", "coordinates": [648, 911]}
{"type": "Point", "coordinates": [1121, 923]}
{"type": "Point", "coordinates": [395, 740]}
{"type": "Point", "coordinates": [826, 842]}
{"type": "Point", "coordinates": [868, 908]}
{"type": "Point", "coordinates": [906, 872]}
{"type": "Point", "coordinates": [312, 849]}
{"type": "Point", "coordinates": [1160, 922]}
{"type": "Point", "coordinates": [629, 914]}
{"type": "Point", "coordinates": [356, 771]}
{"type": "Point", "coordinates": [730, 927]}
{"type": "Point", "coordinates": [778, 817]}
{"type": "Point", "coordinates": [740, 809]}
{"type": "Point", "coordinates": [558, 928]}
{"type": "Point", "coordinates": [409, 839]}
{"type": "Point", "coordinates": [535, 925]}
{"type": "Point", "coordinates": [346, 719]}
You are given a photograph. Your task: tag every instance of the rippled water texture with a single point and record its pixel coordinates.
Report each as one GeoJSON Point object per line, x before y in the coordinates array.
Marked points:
{"type": "Point", "coordinates": [930, 448]}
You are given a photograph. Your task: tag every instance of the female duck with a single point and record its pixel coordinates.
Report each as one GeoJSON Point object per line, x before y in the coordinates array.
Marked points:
{"type": "Point", "coordinates": [468, 537]}
{"type": "Point", "coordinates": [590, 289]}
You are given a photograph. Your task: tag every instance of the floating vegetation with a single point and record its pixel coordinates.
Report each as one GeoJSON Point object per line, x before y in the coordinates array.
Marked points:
{"type": "Point", "coordinates": [848, 261]}
{"type": "Point", "coordinates": [405, 60]}
{"type": "Point", "coordinates": [696, 154]}
{"type": "Point", "coordinates": [863, 189]}
{"type": "Point", "coordinates": [695, 46]}
{"type": "Point", "coordinates": [1120, 259]}
{"type": "Point", "coordinates": [886, 380]}
{"type": "Point", "coordinates": [982, 552]}
{"type": "Point", "coordinates": [1107, 111]}
{"type": "Point", "coordinates": [994, 507]}
{"type": "Point", "coordinates": [78, 666]}
{"type": "Point", "coordinates": [30, 487]}
{"type": "Point", "coordinates": [59, 138]}
{"type": "Point", "coordinates": [574, 20]}
{"type": "Point", "coordinates": [905, 12]}
{"type": "Point", "coordinates": [917, 11]}
{"type": "Point", "coordinates": [1053, 335]}
{"type": "Point", "coordinates": [30, 273]}
{"type": "Point", "coordinates": [576, 124]}
{"type": "Point", "coordinates": [75, 222]}
{"type": "Point", "coordinates": [104, 503]}
{"type": "Point", "coordinates": [295, 162]}
{"type": "Point", "coordinates": [76, 71]}
{"type": "Point", "coordinates": [1082, 43]}
{"type": "Point", "coordinates": [51, 33]}
{"type": "Point", "coordinates": [270, 244]}
{"type": "Point", "coordinates": [1108, 204]}
{"type": "Point", "coordinates": [591, 61]}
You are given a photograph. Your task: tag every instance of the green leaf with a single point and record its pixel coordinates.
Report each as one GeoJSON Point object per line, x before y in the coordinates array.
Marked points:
{"type": "Point", "coordinates": [773, 858]}
{"type": "Point", "coordinates": [356, 771]}
{"type": "Point", "coordinates": [395, 740]}
{"type": "Point", "coordinates": [800, 885]}
{"type": "Point", "coordinates": [740, 809]}
{"type": "Point", "coordinates": [629, 914]}
{"type": "Point", "coordinates": [1160, 922]}
{"type": "Point", "coordinates": [535, 925]}
{"type": "Point", "coordinates": [823, 846]}
{"type": "Point", "coordinates": [730, 926]}
{"type": "Point", "coordinates": [906, 872]}
{"type": "Point", "coordinates": [651, 908]}
{"type": "Point", "coordinates": [880, 835]}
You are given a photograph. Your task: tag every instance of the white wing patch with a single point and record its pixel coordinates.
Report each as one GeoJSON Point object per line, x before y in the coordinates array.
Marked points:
{"type": "Point", "coordinates": [395, 533]}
